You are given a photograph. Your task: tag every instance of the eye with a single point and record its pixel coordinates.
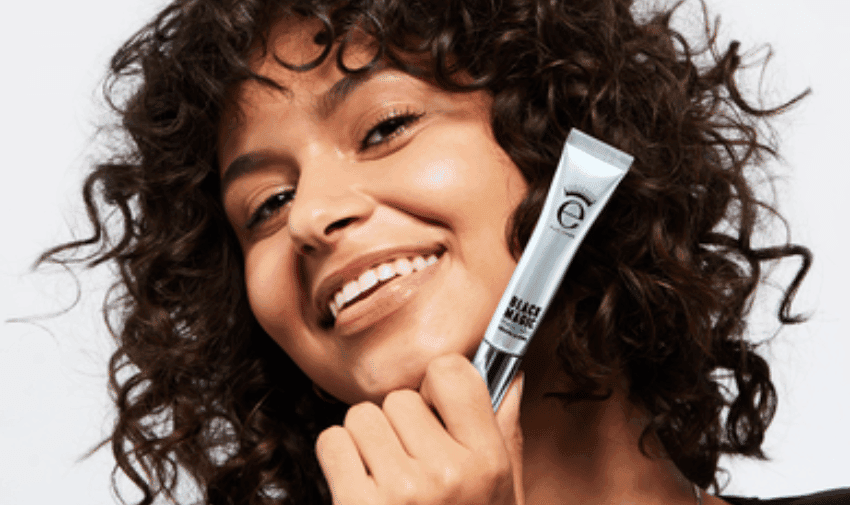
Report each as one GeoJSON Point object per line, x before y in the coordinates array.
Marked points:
{"type": "Point", "coordinates": [269, 208]}
{"type": "Point", "coordinates": [388, 128]}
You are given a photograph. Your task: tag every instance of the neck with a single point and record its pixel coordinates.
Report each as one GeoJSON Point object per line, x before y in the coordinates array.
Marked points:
{"type": "Point", "coordinates": [592, 455]}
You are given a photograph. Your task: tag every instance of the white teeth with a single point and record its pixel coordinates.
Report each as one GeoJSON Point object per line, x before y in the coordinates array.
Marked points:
{"type": "Point", "coordinates": [419, 263]}
{"type": "Point", "coordinates": [350, 291]}
{"type": "Point", "coordinates": [381, 273]}
{"type": "Point", "coordinates": [367, 280]}
{"type": "Point", "coordinates": [403, 266]}
{"type": "Point", "coordinates": [386, 271]}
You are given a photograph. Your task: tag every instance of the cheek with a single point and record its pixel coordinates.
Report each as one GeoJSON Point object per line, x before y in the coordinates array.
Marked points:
{"type": "Point", "coordinates": [437, 174]}
{"type": "Point", "coordinates": [275, 296]}
{"type": "Point", "coordinates": [272, 286]}
{"type": "Point", "coordinates": [460, 172]}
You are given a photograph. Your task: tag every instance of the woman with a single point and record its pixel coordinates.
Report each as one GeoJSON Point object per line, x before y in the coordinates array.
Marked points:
{"type": "Point", "coordinates": [279, 152]}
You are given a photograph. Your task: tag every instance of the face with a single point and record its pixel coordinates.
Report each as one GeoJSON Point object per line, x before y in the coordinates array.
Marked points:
{"type": "Point", "coordinates": [372, 214]}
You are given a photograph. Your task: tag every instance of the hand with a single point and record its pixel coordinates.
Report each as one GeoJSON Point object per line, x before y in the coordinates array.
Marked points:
{"type": "Point", "coordinates": [400, 453]}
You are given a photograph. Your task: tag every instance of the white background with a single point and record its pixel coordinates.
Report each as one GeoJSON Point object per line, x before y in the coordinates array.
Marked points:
{"type": "Point", "coordinates": [53, 404]}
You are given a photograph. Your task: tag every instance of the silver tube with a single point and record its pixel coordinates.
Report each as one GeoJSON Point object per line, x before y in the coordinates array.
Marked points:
{"type": "Point", "coordinates": [588, 173]}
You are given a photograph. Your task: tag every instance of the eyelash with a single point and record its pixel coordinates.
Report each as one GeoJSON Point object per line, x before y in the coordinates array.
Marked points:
{"type": "Point", "coordinates": [396, 120]}
{"type": "Point", "coordinates": [269, 207]}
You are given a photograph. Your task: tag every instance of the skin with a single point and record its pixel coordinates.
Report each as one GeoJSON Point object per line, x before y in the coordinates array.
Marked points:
{"type": "Point", "coordinates": [439, 183]}
{"type": "Point", "coordinates": [372, 183]}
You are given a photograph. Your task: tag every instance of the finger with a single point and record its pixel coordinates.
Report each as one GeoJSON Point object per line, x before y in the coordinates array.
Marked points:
{"type": "Point", "coordinates": [455, 389]}
{"type": "Point", "coordinates": [341, 463]}
{"type": "Point", "coordinates": [377, 442]}
{"type": "Point", "coordinates": [418, 428]}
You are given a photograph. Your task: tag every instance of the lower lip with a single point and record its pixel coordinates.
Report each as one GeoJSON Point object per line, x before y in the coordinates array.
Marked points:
{"type": "Point", "coordinates": [385, 301]}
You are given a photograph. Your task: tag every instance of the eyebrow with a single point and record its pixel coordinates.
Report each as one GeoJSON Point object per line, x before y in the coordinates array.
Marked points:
{"type": "Point", "coordinates": [331, 99]}
{"type": "Point", "coordinates": [324, 106]}
{"type": "Point", "coordinates": [240, 167]}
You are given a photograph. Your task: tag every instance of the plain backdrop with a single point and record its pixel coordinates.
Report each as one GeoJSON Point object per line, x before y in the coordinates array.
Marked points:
{"type": "Point", "coordinates": [53, 400]}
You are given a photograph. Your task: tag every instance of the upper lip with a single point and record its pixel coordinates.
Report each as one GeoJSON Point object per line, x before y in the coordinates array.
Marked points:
{"type": "Point", "coordinates": [328, 286]}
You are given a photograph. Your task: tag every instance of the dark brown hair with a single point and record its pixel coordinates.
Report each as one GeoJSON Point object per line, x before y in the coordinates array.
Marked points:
{"type": "Point", "coordinates": [659, 291]}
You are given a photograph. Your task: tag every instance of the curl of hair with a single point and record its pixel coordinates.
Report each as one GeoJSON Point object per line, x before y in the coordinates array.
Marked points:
{"type": "Point", "coordinates": [659, 291]}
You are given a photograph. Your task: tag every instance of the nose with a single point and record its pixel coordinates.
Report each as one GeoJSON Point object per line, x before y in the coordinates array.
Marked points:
{"type": "Point", "coordinates": [327, 203]}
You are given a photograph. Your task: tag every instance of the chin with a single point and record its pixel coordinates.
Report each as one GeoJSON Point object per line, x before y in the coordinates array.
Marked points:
{"type": "Point", "coordinates": [374, 382]}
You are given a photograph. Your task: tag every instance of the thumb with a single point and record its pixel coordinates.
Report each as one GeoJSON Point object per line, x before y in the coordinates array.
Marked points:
{"type": "Point", "coordinates": [508, 420]}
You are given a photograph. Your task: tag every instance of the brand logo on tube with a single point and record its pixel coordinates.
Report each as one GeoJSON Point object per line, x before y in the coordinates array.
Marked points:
{"type": "Point", "coordinates": [571, 213]}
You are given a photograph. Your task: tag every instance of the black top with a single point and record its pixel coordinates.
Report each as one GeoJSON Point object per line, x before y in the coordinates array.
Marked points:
{"type": "Point", "coordinates": [832, 497]}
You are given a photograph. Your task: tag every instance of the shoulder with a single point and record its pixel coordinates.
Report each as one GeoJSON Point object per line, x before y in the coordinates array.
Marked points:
{"type": "Point", "coordinates": [831, 497]}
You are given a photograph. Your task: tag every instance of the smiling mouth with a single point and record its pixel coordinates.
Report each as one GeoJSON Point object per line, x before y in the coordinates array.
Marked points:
{"type": "Point", "coordinates": [373, 279]}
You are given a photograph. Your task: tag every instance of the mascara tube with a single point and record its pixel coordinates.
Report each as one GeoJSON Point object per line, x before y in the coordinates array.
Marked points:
{"type": "Point", "coordinates": [588, 173]}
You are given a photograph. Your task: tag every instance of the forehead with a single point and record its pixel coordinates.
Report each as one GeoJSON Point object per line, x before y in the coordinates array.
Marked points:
{"type": "Point", "coordinates": [294, 40]}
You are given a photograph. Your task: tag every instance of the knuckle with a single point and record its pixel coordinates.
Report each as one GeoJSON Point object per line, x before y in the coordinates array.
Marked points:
{"type": "Point", "coordinates": [446, 370]}
{"type": "Point", "coordinates": [361, 414]}
{"type": "Point", "coordinates": [503, 468]}
{"type": "Point", "coordinates": [496, 468]}
{"type": "Point", "coordinates": [450, 477]}
{"type": "Point", "coordinates": [404, 491]}
{"type": "Point", "coordinates": [491, 465]}
{"type": "Point", "coordinates": [400, 399]}
{"type": "Point", "coordinates": [448, 363]}
{"type": "Point", "coordinates": [330, 437]}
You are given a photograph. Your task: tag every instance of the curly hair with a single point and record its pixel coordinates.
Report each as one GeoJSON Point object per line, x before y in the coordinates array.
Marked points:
{"type": "Point", "coordinates": [658, 293]}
